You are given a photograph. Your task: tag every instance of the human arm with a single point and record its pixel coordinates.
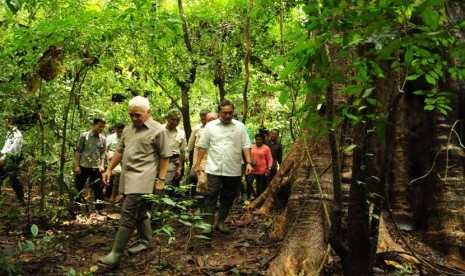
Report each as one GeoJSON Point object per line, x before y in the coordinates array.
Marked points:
{"type": "Point", "coordinates": [162, 169]}
{"type": "Point", "coordinates": [115, 160]}
{"type": "Point", "coordinates": [200, 154]}
{"type": "Point", "coordinates": [77, 169]}
{"type": "Point", "coordinates": [248, 168]}
{"type": "Point", "coordinates": [191, 144]}
{"type": "Point", "coordinates": [269, 160]}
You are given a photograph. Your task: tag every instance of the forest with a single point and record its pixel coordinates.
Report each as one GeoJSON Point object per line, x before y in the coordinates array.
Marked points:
{"type": "Point", "coordinates": [368, 97]}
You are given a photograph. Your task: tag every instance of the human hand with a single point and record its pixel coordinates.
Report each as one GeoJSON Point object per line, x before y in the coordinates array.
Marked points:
{"type": "Point", "coordinates": [197, 170]}
{"type": "Point", "coordinates": [106, 178]}
{"type": "Point", "coordinates": [248, 169]}
{"type": "Point", "coordinates": [159, 185]}
{"type": "Point", "coordinates": [77, 170]}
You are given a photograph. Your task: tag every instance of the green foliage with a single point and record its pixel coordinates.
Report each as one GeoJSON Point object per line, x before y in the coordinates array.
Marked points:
{"type": "Point", "coordinates": [8, 259]}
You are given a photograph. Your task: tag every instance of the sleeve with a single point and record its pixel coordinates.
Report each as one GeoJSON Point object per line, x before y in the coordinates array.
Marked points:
{"type": "Point", "coordinates": [102, 150]}
{"type": "Point", "coordinates": [120, 145]}
{"type": "Point", "coordinates": [182, 147]}
{"type": "Point", "coordinates": [191, 143]}
{"type": "Point", "coordinates": [163, 144]}
{"type": "Point", "coordinates": [246, 144]}
{"type": "Point", "coordinates": [204, 140]}
{"type": "Point", "coordinates": [269, 157]}
{"type": "Point", "coordinates": [80, 144]}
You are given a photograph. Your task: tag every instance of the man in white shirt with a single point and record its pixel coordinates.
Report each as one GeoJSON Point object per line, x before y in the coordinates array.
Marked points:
{"type": "Point", "coordinates": [226, 139]}
{"type": "Point", "coordinates": [10, 158]}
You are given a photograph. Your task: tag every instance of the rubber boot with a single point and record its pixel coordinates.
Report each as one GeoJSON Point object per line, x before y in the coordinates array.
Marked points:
{"type": "Point", "coordinates": [209, 217]}
{"type": "Point", "coordinates": [145, 237]}
{"type": "Point", "coordinates": [222, 215]}
{"type": "Point", "coordinates": [121, 240]}
{"type": "Point", "coordinates": [200, 205]}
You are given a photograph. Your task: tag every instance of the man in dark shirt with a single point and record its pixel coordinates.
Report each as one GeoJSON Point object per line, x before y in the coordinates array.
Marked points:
{"type": "Point", "coordinates": [276, 151]}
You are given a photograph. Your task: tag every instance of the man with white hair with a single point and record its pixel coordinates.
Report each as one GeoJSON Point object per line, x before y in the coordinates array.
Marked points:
{"type": "Point", "coordinates": [143, 148]}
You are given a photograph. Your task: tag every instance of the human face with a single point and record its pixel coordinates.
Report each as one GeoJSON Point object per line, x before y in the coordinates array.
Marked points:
{"type": "Point", "coordinates": [259, 141]}
{"type": "Point", "coordinates": [274, 135]}
{"type": "Point", "coordinates": [203, 119]}
{"type": "Point", "coordinates": [98, 127]}
{"type": "Point", "coordinates": [119, 132]}
{"type": "Point", "coordinates": [226, 114]}
{"type": "Point", "coordinates": [138, 116]}
{"type": "Point", "coordinates": [172, 122]}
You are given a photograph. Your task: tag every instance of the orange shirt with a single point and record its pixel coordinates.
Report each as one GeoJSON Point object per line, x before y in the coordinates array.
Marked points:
{"type": "Point", "coordinates": [263, 157]}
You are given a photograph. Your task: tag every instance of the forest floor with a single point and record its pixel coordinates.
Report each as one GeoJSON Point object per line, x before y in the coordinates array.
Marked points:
{"type": "Point", "coordinates": [72, 247]}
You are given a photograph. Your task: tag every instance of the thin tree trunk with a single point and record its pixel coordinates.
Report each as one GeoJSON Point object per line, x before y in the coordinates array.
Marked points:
{"type": "Point", "coordinates": [246, 62]}
{"type": "Point", "coordinates": [183, 84]}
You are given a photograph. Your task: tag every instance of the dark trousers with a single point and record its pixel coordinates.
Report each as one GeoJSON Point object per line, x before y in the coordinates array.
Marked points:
{"type": "Point", "coordinates": [95, 182]}
{"type": "Point", "coordinates": [12, 172]}
{"type": "Point", "coordinates": [250, 190]}
{"type": "Point", "coordinates": [273, 172]}
{"type": "Point", "coordinates": [223, 186]}
{"type": "Point", "coordinates": [261, 181]}
{"type": "Point", "coordinates": [134, 211]}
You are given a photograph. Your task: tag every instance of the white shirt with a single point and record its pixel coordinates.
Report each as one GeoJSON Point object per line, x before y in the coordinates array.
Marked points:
{"type": "Point", "coordinates": [13, 142]}
{"type": "Point", "coordinates": [225, 143]}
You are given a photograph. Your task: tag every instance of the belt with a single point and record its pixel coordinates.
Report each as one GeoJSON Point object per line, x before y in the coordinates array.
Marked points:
{"type": "Point", "coordinates": [174, 157]}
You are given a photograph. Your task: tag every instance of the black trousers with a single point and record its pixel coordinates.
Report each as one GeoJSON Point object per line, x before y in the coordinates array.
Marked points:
{"type": "Point", "coordinates": [12, 172]}
{"type": "Point", "coordinates": [223, 186]}
{"type": "Point", "coordinates": [95, 182]}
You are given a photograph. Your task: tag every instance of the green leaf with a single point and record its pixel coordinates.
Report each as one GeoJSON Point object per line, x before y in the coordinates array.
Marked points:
{"type": "Point", "coordinates": [430, 17]}
{"type": "Point", "coordinates": [408, 56]}
{"type": "Point", "coordinates": [289, 69]}
{"type": "Point", "coordinates": [429, 107]}
{"type": "Point", "coordinates": [168, 201]}
{"type": "Point", "coordinates": [284, 97]}
{"type": "Point", "coordinates": [34, 230]}
{"type": "Point", "coordinates": [349, 148]}
{"type": "Point", "coordinates": [430, 79]}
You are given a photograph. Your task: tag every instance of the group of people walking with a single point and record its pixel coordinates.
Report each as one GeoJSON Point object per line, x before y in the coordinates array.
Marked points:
{"type": "Point", "coordinates": [147, 157]}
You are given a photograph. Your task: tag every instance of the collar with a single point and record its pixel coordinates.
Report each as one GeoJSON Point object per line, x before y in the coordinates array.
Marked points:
{"type": "Point", "coordinates": [218, 122]}
{"type": "Point", "coordinates": [147, 122]}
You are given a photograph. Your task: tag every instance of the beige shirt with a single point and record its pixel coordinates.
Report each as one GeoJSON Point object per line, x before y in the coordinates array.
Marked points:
{"type": "Point", "coordinates": [203, 162]}
{"type": "Point", "coordinates": [177, 140]}
{"type": "Point", "coordinates": [141, 150]}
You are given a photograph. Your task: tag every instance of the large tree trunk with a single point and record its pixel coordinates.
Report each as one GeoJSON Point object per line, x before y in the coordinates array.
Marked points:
{"type": "Point", "coordinates": [303, 211]}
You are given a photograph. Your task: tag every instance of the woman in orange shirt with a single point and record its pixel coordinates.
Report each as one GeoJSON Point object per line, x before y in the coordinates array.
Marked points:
{"type": "Point", "coordinates": [262, 155]}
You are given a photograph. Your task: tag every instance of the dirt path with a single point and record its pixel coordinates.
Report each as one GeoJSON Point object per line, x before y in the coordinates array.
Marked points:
{"type": "Point", "coordinates": [73, 247]}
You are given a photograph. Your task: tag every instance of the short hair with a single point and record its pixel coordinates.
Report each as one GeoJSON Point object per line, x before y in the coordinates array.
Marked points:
{"type": "Point", "coordinates": [204, 112]}
{"type": "Point", "coordinates": [119, 126]}
{"type": "Point", "coordinates": [212, 115]}
{"type": "Point", "coordinates": [260, 135]}
{"type": "Point", "coordinates": [225, 103]}
{"type": "Point", "coordinates": [139, 101]}
{"type": "Point", "coordinates": [275, 130]}
{"type": "Point", "coordinates": [98, 120]}
{"type": "Point", "coordinates": [174, 113]}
